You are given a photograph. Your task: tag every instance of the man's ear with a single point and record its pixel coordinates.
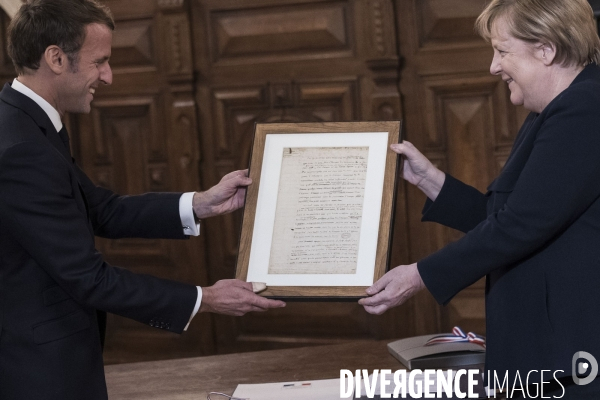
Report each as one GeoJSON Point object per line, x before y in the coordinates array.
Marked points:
{"type": "Point", "coordinates": [547, 52]}
{"type": "Point", "coordinates": [56, 59]}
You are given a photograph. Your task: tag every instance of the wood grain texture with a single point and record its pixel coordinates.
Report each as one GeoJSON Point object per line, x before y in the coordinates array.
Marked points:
{"type": "Point", "coordinates": [292, 30]}
{"type": "Point", "coordinates": [193, 378]}
{"type": "Point", "coordinates": [142, 135]}
{"type": "Point", "coordinates": [448, 23]}
{"type": "Point", "coordinates": [389, 186]}
{"type": "Point", "coordinates": [350, 79]}
{"type": "Point", "coordinates": [416, 60]}
{"type": "Point", "coordinates": [133, 45]}
{"type": "Point", "coordinates": [460, 117]}
{"type": "Point", "coordinates": [7, 71]}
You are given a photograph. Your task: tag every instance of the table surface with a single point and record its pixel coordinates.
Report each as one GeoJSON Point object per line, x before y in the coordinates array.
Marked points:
{"type": "Point", "coordinates": [193, 378]}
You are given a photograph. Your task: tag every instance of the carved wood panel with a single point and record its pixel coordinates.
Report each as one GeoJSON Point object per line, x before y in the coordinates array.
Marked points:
{"type": "Point", "coordinates": [133, 45]}
{"type": "Point", "coordinates": [448, 23]}
{"type": "Point", "coordinates": [291, 60]}
{"type": "Point", "coordinates": [7, 71]}
{"type": "Point", "coordinates": [281, 32]}
{"type": "Point", "coordinates": [141, 136]}
{"type": "Point", "coordinates": [471, 133]}
{"type": "Point", "coordinates": [193, 76]}
{"type": "Point", "coordinates": [460, 116]}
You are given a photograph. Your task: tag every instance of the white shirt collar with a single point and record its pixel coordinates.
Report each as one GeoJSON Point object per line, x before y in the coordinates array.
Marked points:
{"type": "Point", "coordinates": [48, 109]}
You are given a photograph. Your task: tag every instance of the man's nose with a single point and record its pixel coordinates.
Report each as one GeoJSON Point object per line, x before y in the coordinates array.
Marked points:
{"type": "Point", "coordinates": [106, 75]}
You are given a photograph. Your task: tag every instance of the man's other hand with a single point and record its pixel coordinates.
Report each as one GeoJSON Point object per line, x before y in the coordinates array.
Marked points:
{"type": "Point", "coordinates": [226, 196]}
{"type": "Point", "coordinates": [234, 297]}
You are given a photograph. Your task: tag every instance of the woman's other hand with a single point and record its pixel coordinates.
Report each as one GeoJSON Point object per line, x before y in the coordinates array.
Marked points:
{"type": "Point", "coordinates": [393, 289]}
{"type": "Point", "coordinates": [419, 171]}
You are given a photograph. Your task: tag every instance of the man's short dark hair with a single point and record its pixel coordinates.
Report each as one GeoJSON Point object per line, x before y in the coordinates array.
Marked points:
{"type": "Point", "coordinates": [42, 23]}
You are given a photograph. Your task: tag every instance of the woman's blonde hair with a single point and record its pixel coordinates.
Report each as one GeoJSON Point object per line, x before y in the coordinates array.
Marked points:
{"type": "Point", "coordinates": [569, 25]}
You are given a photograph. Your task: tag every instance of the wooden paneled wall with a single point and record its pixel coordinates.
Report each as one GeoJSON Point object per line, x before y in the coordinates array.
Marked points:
{"type": "Point", "coordinates": [192, 77]}
{"type": "Point", "coordinates": [143, 135]}
{"type": "Point", "coordinates": [7, 71]}
{"type": "Point", "coordinates": [461, 118]}
{"type": "Point", "coordinates": [273, 60]}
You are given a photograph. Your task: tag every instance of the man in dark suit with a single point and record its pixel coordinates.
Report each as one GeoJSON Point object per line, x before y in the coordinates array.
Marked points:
{"type": "Point", "coordinates": [52, 280]}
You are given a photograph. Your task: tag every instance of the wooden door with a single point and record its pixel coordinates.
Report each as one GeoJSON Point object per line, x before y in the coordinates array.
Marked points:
{"type": "Point", "coordinates": [191, 77]}
{"type": "Point", "coordinates": [291, 60]}
{"type": "Point", "coordinates": [142, 136]}
{"type": "Point", "coordinates": [461, 118]}
{"type": "Point", "coordinates": [7, 71]}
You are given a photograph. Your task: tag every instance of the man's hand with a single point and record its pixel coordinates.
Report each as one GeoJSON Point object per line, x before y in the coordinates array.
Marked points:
{"type": "Point", "coordinates": [234, 297]}
{"type": "Point", "coordinates": [225, 197]}
{"type": "Point", "coordinates": [393, 289]}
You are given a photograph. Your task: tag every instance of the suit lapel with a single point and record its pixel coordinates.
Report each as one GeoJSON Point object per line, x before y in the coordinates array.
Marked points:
{"type": "Point", "coordinates": [30, 107]}
{"type": "Point", "coordinates": [39, 116]}
{"type": "Point", "coordinates": [527, 134]}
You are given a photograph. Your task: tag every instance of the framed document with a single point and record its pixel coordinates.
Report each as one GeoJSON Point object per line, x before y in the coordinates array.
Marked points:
{"type": "Point", "coordinates": [318, 216]}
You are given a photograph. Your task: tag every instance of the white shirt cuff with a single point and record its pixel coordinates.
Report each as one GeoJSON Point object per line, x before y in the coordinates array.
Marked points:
{"type": "Point", "coordinates": [186, 213]}
{"type": "Point", "coordinates": [196, 307]}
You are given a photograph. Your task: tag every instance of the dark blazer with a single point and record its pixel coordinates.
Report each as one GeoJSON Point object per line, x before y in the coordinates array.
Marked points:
{"type": "Point", "coordinates": [536, 235]}
{"type": "Point", "coordinates": [52, 280]}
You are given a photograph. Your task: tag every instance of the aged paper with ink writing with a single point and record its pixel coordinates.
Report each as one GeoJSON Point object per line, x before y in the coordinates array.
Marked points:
{"type": "Point", "coordinates": [319, 210]}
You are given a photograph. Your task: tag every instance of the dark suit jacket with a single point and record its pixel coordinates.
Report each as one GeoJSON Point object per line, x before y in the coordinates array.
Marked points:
{"type": "Point", "coordinates": [52, 280]}
{"type": "Point", "coordinates": [536, 235]}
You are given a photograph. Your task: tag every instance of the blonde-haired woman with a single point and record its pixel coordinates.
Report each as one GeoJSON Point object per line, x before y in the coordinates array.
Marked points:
{"type": "Point", "coordinates": [536, 233]}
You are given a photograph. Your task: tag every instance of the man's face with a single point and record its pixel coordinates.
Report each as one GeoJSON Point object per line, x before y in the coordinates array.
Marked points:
{"type": "Point", "coordinates": [87, 72]}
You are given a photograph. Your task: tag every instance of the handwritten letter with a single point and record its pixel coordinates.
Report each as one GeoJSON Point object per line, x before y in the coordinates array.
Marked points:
{"type": "Point", "coordinates": [319, 210]}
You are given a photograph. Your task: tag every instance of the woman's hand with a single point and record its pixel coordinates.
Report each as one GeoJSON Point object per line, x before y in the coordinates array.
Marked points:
{"type": "Point", "coordinates": [419, 171]}
{"type": "Point", "coordinates": [393, 289]}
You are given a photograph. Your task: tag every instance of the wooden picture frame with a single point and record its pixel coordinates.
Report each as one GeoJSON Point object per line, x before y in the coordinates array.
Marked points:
{"type": "Point", "coordinates": [306, 231]}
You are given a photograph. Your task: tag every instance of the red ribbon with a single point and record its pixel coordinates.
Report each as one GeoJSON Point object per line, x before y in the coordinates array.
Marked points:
{"type": "Point", "coordinates": [457, 336]}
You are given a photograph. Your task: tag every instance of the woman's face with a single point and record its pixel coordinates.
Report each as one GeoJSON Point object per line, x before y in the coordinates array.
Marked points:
{"type": "Point", "coordinates": [521, 66]}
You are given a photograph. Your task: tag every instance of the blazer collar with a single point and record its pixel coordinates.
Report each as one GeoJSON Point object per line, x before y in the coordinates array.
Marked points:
{"type": "Point", "coordinates": [590, 71]}
{"type": "Point", "coordinates": [39, 116]}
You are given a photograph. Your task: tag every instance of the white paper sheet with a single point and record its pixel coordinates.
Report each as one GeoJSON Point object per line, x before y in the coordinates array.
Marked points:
{"type": "Point", "coordinates": [367, 388]}
{"type": "Point", "coordinates": [267, 204]}
{"type": "Point", "coordinates": [319, 210]}
{"type": "Point", "coordinates": [326, 389]}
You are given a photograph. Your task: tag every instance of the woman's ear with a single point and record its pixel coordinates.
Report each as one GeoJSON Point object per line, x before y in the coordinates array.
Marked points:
{"type": "Point", "coordinates": [56, 59]}
{"type": "Point", "coordinates": [547, 53]}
